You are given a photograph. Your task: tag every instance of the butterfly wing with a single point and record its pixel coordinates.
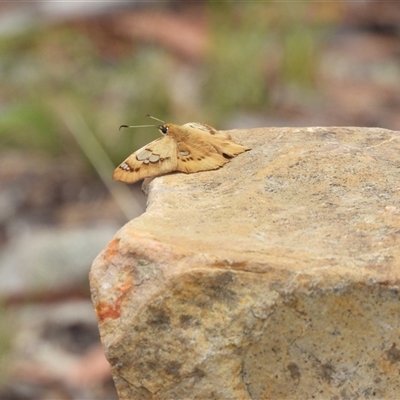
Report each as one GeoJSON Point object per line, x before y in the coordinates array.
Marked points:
{"type": "Point", "coordinates": [198, 156]}
{"type": "Point", "coordinates": [207, 128]}
{"type": "Point", "coordinates": [154, 159]}
{"type": "Point", "coordinates": [226, 147]}
{"type": "Point", "coordinates": [202, 151]}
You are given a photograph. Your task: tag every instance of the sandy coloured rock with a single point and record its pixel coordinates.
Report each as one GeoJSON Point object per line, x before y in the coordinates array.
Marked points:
{"type": "Point", "coordinates": [274, 277]}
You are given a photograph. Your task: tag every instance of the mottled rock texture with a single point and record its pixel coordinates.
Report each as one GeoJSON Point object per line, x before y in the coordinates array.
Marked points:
{"type": "Point", "coordinates": [274, 277]}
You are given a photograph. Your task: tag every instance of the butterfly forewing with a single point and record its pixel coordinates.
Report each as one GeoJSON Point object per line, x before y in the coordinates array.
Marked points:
{"type": "Point", "coordinates": [156, 158]}
{"type": "Point", "coordinates": [227, 148]}
{"type": "Point", "coordinates": [202, 151]}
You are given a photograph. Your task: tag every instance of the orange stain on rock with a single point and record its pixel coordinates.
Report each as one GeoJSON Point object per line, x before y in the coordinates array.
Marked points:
{"type": "Point", "coordinates": [111, 250]}
{"type": "Point", "coordinates": [108, 310]}
{"type": "Point", "coordinates": [125, 286]}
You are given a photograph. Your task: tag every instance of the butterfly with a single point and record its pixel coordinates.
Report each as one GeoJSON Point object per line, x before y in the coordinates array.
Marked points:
{"type": "Point", "coordinates": [188, 148]}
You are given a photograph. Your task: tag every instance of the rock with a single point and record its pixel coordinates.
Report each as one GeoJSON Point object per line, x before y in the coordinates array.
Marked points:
{"type": "Point", "coordinates": [276, 276]}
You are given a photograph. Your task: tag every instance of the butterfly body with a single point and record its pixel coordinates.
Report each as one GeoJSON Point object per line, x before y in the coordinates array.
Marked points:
{"type": "Point", "coordinates": [186, 148]}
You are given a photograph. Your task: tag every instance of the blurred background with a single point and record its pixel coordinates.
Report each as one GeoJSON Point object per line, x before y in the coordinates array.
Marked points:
{"type": "Point", "coordinates": [72, 72]}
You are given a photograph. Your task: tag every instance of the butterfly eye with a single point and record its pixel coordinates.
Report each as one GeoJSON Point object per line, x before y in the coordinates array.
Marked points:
{"type": "Point", "coordinates": [163, 129]}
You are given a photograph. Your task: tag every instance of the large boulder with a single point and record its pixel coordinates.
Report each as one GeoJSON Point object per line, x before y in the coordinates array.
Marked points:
{"type": "Point", "coordinates": [274, 277]}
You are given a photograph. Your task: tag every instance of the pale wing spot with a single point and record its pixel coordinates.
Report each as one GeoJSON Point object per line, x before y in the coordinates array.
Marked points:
{"type": "Point", "coordinates": [184, 153]}
{"type": "Point", "coordinates": [143, 155]}
{"type": "Point", "coordinates": [146, 161]}
{"type": "Point", "coordinates": [125, 167]}
{"type": "Point", "coordinates": [154, 158]}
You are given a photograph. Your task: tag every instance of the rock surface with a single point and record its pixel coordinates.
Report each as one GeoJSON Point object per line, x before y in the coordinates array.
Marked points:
{"type": "Point", "coordinates": [275, 277]}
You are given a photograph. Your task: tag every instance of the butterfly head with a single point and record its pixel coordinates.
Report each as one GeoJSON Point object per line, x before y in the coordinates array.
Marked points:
{"type": "Point", "coordinates": [164, 128]}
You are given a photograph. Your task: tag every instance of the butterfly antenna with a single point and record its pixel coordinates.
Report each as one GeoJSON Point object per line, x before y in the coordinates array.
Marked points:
{"type": "Point", "coordinates": [135, 126]}
{"type": "Point", "coordinates": [150, 116]}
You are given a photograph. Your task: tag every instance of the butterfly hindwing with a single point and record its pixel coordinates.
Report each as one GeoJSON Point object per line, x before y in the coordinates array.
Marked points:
{"type": "Point", "coordinates": [208, 128]}
{"type": "Point", "coordinates": [156, 158]}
